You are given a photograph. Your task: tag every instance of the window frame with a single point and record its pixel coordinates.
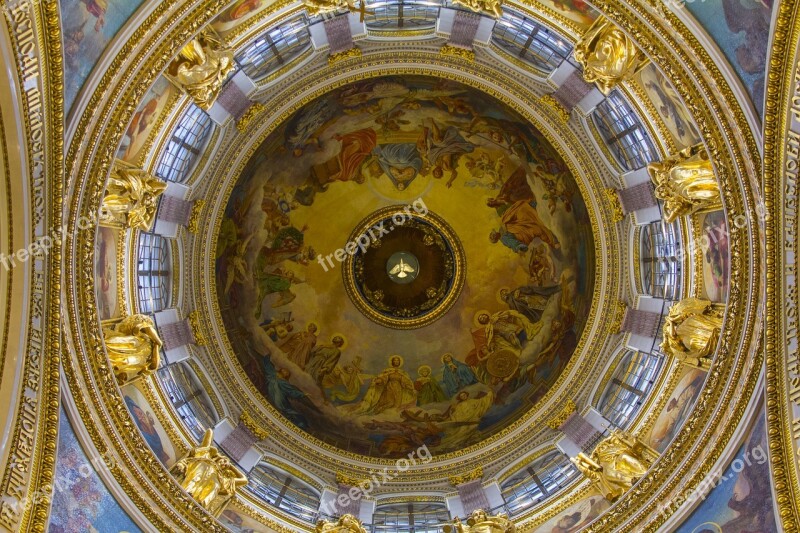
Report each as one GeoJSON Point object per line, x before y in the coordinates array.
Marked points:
{"type": "Point", "coordinates": [185, 144]}
{"type": "Point", "coordinates": [158, 274]}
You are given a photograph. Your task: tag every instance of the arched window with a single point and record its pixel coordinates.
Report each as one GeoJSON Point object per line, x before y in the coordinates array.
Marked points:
{"type": "Point", "coordinates": [410, 518]}
{"type": "Point", "coordinates": [530, 41]}
{"type": "Point", "coordinates": [189, 398]}
{"type": "Point", "coordinates": [401, 14]}
{"type": "Point", "coordinates": [630, 384]}
{"type": "Point", "coordinates": [153, 273]}
{"type": "Point", "coordinates": [284, 492]}
{"type": "Point", "coordinates": [624, 133]}
{"type": "Point", "coordinates": [185, 145]}
{"type": "Point", "coordinates": [276, 48]}
{"type": "Point", "coordinates": [537, 482]}
{"type": "Point", "coordinates": [661, 268]}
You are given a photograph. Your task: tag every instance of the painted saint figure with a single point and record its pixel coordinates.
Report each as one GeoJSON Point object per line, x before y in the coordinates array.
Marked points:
{"type": "Point", "coordinates": [428, 389]}
{"type": "Point", "coordinates": [298, 346]}
{"type": "Point", "coordinates": [456, 375]}
{"type": "Point", "coordinates": [393, 390]}
{"type": "Point", "coordinates": [324, 359]}
{"type": "Point", "coordinates": [280, 392]}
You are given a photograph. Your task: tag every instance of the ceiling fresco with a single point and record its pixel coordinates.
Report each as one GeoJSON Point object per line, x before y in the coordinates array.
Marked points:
{"type": "Point", "coordinates": [426, 146]}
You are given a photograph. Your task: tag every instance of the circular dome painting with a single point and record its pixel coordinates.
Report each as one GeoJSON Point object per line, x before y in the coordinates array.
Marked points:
{"type": "Point", "coordinates": [483, 215]}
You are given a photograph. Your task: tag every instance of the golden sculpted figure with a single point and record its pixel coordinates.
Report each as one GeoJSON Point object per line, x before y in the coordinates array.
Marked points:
{"type": "Point", "coordinates": [131, 198]}
{"type": "Point", "coordinates": [133, 348]}
{"type": "Point", "coordinates": [201, 67]}
{"type": "Point", "coordinates": [480, 522]}
{"type": "Point", "coordinates": [616, 463]}
{"type": "Point", "coordinates": [209, 477]}
{"type": "Point", "coordinates": [493, 7]}
{"type": "Point", "coordinates": [608, 56]}
{"type": "Point", "coordinates": [691, 332]}
{"type": "Point", "coordinates": [686, 183]}
{"type": "Point", "coordinates": [316, 7]}
{"type": "Point", "coordinates": [346, 524]}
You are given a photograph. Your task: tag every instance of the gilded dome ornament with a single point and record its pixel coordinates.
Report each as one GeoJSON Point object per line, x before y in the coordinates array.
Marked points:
{"type": "Point", "coordinates": [616, 463]}
{"type": "Point", "coordinates": [685, 182]}
{"type": "Point", "coordinates": [489, 7]}
{"type": "Point", "coordinates": [133, 347]}
{"type": "Point", "coordinates": [692, 331]}
{"type": "Point", "coordinates": [480, 521]}
{"type": "Point", "coordinates": [201, 68]}
{"type": "Point", "coordinates": [131, 198]}
{"type": "Point", "coordinates": [209, 477]}
{"type": "Point", "coordinates": [608, 55]}
{"type": "Point", "coordinates": [346, 524]}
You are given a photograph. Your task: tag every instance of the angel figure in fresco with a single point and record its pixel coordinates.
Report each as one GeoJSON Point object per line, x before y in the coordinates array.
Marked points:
{"type": "Point", "coordinates": [298, 346]}
{"type": "Point", "coordinates": [391, 389]}
{"type": "Point", "coordinates": [541, 268]}
{"type": "Point", "coordinates": [278, 281]}
{"type": "Point", "coordinates": [236, 265]}
{"type": "Point", "coordinates": [490, 173]}
{"type": "Point", "coordinates": [441, 150]}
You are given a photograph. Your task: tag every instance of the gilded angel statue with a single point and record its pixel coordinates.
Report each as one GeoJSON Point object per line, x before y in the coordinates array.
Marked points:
{"type": "Point", "coordinates": [209, 477]}
{"type": "Point", "coordinates": [201, 67]}
{"type": "Point", "coordinates": [131, 198]}
{"type": "Point", "coordinates": [608, 55]}
{"type": "Point", "coordinates": [133, 348]}
{"type": "Point", "coordinates": [685, 182]}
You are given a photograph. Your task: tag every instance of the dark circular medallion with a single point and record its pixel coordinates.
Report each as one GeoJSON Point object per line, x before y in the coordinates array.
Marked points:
{"type": "Point", "coordinates": [408, 270]}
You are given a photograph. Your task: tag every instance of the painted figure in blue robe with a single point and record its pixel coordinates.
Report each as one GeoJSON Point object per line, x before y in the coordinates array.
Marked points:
{"type": "Point", "coordinates": [456, 375]}
{"type": "Point", "coordinates": [146, 424]}
{"type": "Point", "coordinates": [400, 162]}
{"type": "Point", "coordinates": [281, 393]}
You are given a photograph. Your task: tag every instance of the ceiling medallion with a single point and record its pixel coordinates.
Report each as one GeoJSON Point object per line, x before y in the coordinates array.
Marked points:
{"type": "Point", "coordinates": [411, 274]}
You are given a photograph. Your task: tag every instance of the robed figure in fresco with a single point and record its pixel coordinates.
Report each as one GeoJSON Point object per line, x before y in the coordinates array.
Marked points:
{"type": "Point", "coordinates": [281, 393]}
{"type": "Point", "coordinates": [356, 147]}
{"type": "Point", "coordinates": [209, 477]}
{"type": "Point", "coordinates": [392, 389]}
{"type": "Point", "coordinates": [428, 389]}
{"type": "Point", "coordinates": [456, 375]}
{"type": "Point", "coordinates": [298, 346]}
{"type": "Point", "coordinates": [324, 359]}
{"type": "Point", "coordinates": [133, 347]}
